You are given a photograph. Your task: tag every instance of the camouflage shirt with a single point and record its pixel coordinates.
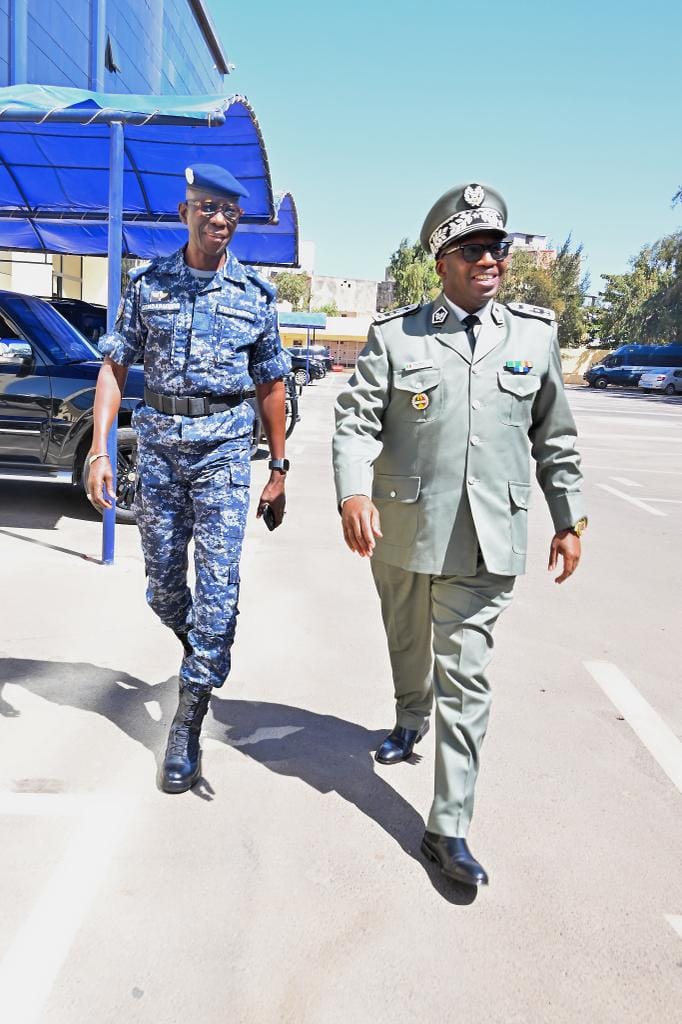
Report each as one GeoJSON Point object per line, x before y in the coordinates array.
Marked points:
{"type": "Point", "coordinates": [197, 336]}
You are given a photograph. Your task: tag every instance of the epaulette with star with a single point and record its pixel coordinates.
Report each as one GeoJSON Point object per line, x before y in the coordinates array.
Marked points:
{"type": "Point", "coordinates": [539, 312]}
{"type": "Point", "coordinates": [391, 314]}
{"type": "Point", "coordinates": [138, 272]}
{"type": "Point", "coordinates": [267, 287]}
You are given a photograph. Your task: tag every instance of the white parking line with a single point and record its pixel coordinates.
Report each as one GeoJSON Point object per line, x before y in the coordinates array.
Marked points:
{"type": "Point", "coordinates": [35, 957]}
{"type": "Point", "coordinates": [628, 483]}
{"type": "Point", "coordinates": [657, 737]}
{"type": "Point", "coordinates": [675, 921]}
{"type": "Point", "coordinates": [633, 469]}
{"type": "Point", "coordinates": [633, 501]}
{"type": "Point", "coordinates": [653, 438]}
{"type": "Point", "coordinates": [637, 421]}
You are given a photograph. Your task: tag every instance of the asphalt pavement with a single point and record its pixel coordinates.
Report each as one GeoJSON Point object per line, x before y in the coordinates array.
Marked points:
{"type": "Point", "coordinates": [288, 888]}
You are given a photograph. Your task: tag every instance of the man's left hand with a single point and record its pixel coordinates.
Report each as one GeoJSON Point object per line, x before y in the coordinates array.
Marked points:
{"type": "Point", "coordinates": [567, 545]}
{"type": "Point", "coordinates": [274, 496]}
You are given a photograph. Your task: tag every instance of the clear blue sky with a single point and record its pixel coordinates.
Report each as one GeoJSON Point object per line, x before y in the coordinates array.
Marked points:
{"type": "Point", "coordinates": [371, 110]}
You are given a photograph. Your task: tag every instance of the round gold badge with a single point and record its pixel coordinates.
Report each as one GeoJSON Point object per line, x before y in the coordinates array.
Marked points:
{"type": "Point", "coordinates": [420, 401]}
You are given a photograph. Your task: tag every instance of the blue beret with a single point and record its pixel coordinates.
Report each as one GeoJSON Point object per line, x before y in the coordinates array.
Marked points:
{"type": "Point", "coordinates": [214, 179]}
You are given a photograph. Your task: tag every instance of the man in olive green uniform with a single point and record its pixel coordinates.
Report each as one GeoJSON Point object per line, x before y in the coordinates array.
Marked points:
{"type": "Point", "coordinates": [432, 468]}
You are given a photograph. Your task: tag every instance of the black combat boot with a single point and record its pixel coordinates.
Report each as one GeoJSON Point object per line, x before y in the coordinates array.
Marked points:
{"type": "Point", "coordinates": [182, 764]}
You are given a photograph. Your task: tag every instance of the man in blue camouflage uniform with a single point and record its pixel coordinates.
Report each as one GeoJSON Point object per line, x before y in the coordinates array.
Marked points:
{"type": "Point", "coordinates": [206, 329]}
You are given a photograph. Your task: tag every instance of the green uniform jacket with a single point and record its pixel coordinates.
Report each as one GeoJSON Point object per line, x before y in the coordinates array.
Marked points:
{"type": "Point", "coordinates": [455, 475]}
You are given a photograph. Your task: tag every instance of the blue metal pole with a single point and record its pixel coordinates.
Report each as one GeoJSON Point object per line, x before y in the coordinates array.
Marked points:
{"type": "Point", "coordinates": [97, 44]}
{"type": "Point", "coordinates": [18, 41]}
{"type": "Point", "coordinates": [115, 248]}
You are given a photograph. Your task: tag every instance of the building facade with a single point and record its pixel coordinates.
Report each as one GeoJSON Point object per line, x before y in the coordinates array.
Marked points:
{"type": "Point", "coordinates": [157, 47]}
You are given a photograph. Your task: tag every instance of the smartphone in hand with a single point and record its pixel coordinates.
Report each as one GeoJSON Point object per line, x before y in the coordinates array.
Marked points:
{"type": "Point", "coordinates": [268, 517]}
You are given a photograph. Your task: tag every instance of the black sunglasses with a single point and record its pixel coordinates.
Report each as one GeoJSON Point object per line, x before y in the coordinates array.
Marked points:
{"type": "Point", "coordinates": [472, 251]}
{"type": "Point", "coordinates": [209, 208]}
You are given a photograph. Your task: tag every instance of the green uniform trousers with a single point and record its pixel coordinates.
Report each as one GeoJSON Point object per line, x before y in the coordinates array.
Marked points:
{"type": "Point", "coordinates": [439, 631]}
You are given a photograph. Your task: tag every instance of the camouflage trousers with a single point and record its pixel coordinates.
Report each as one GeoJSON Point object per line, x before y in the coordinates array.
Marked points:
{"type": "Point", "coordinates": [201, 493]}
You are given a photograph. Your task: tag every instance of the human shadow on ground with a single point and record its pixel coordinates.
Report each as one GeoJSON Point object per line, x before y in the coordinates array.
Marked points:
{"type": "Point", "coordinates": [329, 754]}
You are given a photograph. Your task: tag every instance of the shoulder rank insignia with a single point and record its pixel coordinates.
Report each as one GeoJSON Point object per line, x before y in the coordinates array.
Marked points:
{"type": "Point", "coordinates": [440, 315]}
{"type": "Point", "coordinates": [267, 287]}
{"type": "Point", "coordinates": [391, 314]}
{"type": "Point", "coordinates": [138, 272]}
{"type": "Point", "coordinates": [524, 309]}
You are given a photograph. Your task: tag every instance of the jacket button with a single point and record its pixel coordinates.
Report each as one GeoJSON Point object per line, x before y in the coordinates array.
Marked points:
{"type": "Point", "coordinates": [475, 404]}
{"type": "Point", "coordinates": [472, 480]}
{"type": "Point", "coordinates": [392, 494]}
{"type": "Point", "coordinates": [474, 439]}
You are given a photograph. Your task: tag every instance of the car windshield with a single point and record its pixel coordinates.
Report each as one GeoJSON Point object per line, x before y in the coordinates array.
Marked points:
{"type": "Point", "coordinates": [43, 325]}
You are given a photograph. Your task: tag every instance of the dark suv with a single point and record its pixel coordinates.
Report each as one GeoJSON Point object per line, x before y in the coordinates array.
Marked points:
{"type": "Point", "coordinates": [87, 317]}
{"type": "Point", "coordinates": [48, 373]}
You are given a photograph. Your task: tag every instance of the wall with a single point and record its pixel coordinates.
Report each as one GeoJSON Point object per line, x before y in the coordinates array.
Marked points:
{"type": "Point", "coordinates": [575, 361]}
{"type": "Point", "coordinates": [351, 295]}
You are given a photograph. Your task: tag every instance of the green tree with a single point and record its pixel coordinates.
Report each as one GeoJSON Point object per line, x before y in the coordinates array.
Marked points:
{"type": "Point", "coordinates": [330, 308]}
{"type": "Point", "coordinates": [293, 288]}
{"type": "Point", "coordinates": [639, 305]}
{"type": "Point", "coordinates": [557, 285]}
{"type": "Point", "coordinates": [414, 273]}
{"type": "Point", "coordinates": [664, 308]}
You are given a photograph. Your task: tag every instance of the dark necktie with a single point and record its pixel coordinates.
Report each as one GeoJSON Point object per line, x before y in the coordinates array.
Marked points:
{"type": "Point", "coordinates": [471, 322]}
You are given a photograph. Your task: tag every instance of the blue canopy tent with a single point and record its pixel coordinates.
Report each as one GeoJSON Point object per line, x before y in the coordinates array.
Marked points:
{"type": "Point", "coordinates": [73, 180]}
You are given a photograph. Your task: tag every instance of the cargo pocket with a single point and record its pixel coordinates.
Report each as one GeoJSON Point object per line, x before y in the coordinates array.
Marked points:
{"type": "Point", "coordinates": [418, 394]}
{"type": "Point", "coordinates": [515, 399]}
{"type": "Point", "coordinates": [520, 498]}
{"type": "Point", "coordinates": [240, 474]}
{"type": "Point", "coordinates": [396, 499]}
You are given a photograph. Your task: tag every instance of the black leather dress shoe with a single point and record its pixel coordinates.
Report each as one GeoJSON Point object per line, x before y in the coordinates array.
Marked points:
{"type": "Point", "coordinates": [454, 859]}
{"type": "Point", "coordinates": [399, 744]}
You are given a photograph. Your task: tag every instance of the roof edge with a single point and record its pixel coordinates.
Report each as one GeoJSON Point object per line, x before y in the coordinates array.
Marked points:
{"type": "Point", "coordinates": [210, 34]}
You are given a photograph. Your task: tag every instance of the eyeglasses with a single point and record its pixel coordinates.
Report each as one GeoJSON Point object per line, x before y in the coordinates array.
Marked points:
{"type": "Point", "coordinates": [472, 251]}
{"type": "Point", "coordinates": [207, 208]}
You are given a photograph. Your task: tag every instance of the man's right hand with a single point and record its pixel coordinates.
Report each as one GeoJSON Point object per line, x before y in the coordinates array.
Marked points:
{"type": "Point", "coordinates": [360, 521]}
{"type": "Point", "coordinates": [100, 483]}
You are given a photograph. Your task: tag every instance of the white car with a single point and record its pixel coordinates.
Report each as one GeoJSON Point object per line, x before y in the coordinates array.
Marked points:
{"type": "Point", "coordinates": [662, 378]}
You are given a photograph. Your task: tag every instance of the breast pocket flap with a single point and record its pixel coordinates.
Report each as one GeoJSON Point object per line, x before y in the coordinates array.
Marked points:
{"type": "Point", "coordinates": [420, 380]}
{"type": "Point", "coordinates": [397, 488]}
{"type": "Point", "coordinates": [520, 384]}
{"type": "Point", "coordinates": [520, 494]}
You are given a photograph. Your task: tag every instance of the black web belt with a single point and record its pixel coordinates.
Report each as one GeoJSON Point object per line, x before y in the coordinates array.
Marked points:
{"type": "Point", "coordinates": [194, 405]}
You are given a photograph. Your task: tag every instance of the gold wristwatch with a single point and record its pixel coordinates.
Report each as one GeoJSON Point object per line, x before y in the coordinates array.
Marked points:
{"type": "Point", "coordinates": [579, 528]}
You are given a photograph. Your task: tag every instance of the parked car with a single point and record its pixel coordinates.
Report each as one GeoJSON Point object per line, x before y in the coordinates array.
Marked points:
{"type": "Point", "coordinates": [319, 352]}
{"type": "Point", "coordinates": [87, 317]}
{"type": "Point", "coordinates": [662, 379]}
{"type": "Point", "coordinates": [305, 370]}
{"type": "Point", "coordinates": [48, 372]}
{"type": "Point", "coordinates": [626, 364]}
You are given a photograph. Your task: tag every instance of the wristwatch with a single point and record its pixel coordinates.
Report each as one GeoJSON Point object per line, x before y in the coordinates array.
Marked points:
{"type": "Point", "coordinates": [281, 464]}
{"type": "Point", "coordinates": [579, 528]}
